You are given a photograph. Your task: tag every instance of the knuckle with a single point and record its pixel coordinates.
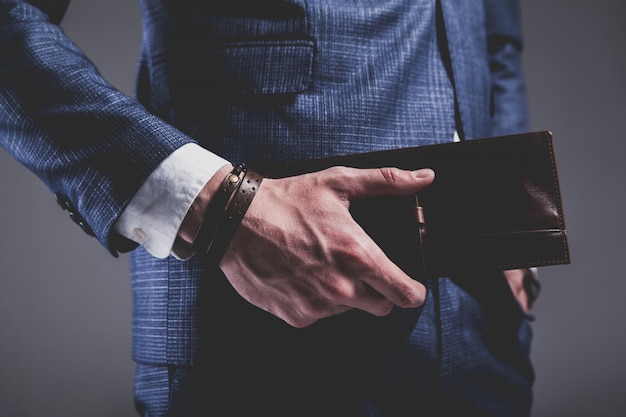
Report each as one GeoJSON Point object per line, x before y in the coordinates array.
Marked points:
{"type": "Point", "coordinates": [335, 174]}
{"type": "Point", "coordinates": [337, 289]}
{"type": "Point", "coordinates": [391, 175]}
{"type": "Point", "coordinates": [355, 251]}
{"type": "Point", "coordinates": [410, 297]}
{"type": "Point", "coordinates": [335, 170]}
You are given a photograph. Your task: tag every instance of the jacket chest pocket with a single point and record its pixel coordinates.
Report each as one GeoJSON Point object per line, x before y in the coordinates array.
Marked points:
{"type": "Point", "coordinates": [264, 67]}
{"type": "Point", "coordinates": [228, 70]}
{"type": "Point", "coordinates": [236, 92]}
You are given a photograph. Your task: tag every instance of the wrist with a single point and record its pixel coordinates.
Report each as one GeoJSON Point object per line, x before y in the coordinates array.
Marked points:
{"type": "Point", "coordinates": [193, 218]}
{"type": "Point", "coordinates": [226, 212]}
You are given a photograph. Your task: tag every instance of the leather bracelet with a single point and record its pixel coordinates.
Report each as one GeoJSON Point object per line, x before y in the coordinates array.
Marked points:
{"type": "Point", "coordinates": [234, 212]}
{"type": "Point", "coordinates": [215, 210]}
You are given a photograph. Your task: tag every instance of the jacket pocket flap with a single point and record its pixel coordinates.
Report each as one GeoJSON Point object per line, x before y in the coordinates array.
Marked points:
{"type": "Point", "coordinates": [266, 67]}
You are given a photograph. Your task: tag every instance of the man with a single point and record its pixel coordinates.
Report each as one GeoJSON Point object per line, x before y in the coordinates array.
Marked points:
{"type": "Point", "coordinates": [299, 313]}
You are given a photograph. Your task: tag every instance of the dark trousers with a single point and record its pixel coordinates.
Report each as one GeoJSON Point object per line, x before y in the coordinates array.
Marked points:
{"type": "Point", "coordinates": [464, 352]}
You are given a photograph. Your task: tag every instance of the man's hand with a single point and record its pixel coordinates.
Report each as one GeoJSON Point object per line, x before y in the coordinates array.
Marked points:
{"type": "Point", "coordinates": [299, 255]}
{"type": "Point", "coordinates": [515, 277]}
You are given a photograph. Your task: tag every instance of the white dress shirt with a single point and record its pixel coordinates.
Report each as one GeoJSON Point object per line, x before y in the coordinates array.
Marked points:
{"type": "Point", "coordinates": [154, 215]}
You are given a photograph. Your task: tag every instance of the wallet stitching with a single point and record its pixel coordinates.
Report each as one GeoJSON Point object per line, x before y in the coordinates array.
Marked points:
{"type": "Point", "coordinates": [508, 265]}
{"type": "Point", "coordinates": [557, 194]}
{"type": "Point", "coordinates": [519, 233]}
{"type": "Point", "coordinates": [505, 266]}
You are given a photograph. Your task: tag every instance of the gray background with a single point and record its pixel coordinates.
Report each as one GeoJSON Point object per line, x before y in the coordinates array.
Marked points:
{"type": "Point", "coordinates": [65, 303]}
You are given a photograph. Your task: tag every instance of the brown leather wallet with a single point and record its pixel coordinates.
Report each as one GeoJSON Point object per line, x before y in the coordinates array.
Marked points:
{"type": "Point", "coordinates": [495, 204]}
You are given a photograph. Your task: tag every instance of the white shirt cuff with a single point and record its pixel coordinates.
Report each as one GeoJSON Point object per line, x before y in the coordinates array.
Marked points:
{"type": "Point", "coordinates": [155, 213]}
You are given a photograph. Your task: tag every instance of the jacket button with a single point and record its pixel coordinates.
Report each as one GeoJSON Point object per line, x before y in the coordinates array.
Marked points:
{"type": "Point", "coordinates": [66, 204]}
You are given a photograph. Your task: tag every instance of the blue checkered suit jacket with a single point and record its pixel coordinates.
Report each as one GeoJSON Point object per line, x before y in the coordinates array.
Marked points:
{"type": "Point", "coordinates": [247, 79]}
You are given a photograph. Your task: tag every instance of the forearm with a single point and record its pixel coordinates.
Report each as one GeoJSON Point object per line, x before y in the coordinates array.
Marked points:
{"type": "Point", "coordinates": [62, 120]}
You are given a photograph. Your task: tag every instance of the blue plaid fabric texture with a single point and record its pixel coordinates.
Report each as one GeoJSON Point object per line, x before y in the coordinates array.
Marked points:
{"type": "Point", "coordinates": [260, 81]}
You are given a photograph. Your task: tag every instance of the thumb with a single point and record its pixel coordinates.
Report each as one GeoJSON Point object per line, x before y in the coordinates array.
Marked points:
{"type": "Point", "coordinates": [368, 183]}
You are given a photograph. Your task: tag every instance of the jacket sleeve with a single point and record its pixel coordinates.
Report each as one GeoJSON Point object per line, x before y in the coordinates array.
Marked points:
{"type": "Point", "coordinates": [508, 93]}
{"type": "Point", "coordinates": [90, 144]}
